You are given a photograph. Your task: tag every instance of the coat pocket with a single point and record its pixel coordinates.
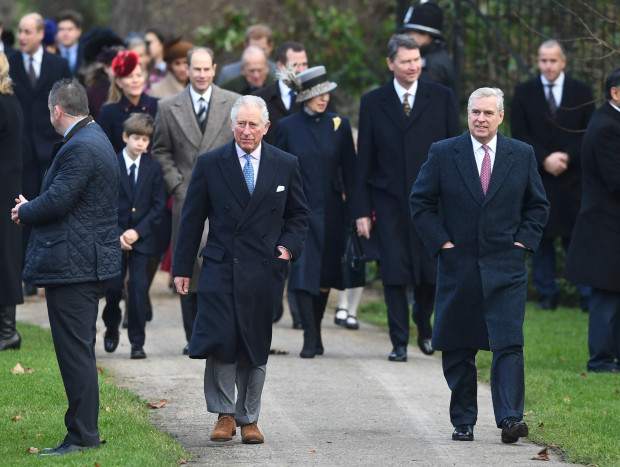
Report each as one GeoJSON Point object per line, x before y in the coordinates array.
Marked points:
{"type": "Point", "coordinates": [213, 252]}
{"type": "Point", "coordinates": [52, 252]}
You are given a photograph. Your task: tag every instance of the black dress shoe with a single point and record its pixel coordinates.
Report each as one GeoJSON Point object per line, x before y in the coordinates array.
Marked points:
{"type": "Point", "coordinates": [513, 429]}
{"type": "Point", "coordinates": [399, 354]}
{"type": "Point", "coordinates": [425, 346]}
{"type": "Point", "coordinates": [463, 433]}
{"type": "Point", "coordinates": [62, 449]}
{"type": "Point", "coordinates": [110, 340]}
{"type": "Point", "coordinates": [29, 289]}
{"type": "Point", "coordinates": [186, 350]}
{"type": "Point", "coordinates": [137, 352]}
{"type": "Point", "coordinates": [297, 326]}
{"type": "Point", "coordinates": [549, 303]}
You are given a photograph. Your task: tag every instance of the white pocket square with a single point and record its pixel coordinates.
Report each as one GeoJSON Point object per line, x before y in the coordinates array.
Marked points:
{"type": "Point", "coordinates": [280, 188]}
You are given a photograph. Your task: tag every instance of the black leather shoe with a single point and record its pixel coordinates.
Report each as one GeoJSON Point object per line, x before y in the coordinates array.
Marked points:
{"type": "Point", "coordinates": [29, 289]}
{"type": "Point", "coordinates": [463, 433]}
{"type": "Point", "coordinates": [297, 326]}
{"type": "Point", "coordinates": [513, 429]}
{"type": "Point", "coordinates": [110, 340]}
{"type": "Point", "coordinates": [549, 303]}
{"type": "Point", "coordinates": [186, 350]}
{"type": "Point", "coordinates": [399, 354]}
{"type": "Point", "coordinates": [137, 352]}
{"type": "Point", "coordinates": [425, 346]}
{"type": "Point", "coordinates": [62, 449]}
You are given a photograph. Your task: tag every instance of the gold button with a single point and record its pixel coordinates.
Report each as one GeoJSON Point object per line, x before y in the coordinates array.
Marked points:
{"type": "Point", "coordinates": [133, 209]}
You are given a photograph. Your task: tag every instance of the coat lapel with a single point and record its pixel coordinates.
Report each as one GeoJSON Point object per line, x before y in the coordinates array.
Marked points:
{"type": "Point", "coordinates": [421, 101]}
{"type": "Point", "coordinates": [142, 176]}
{"type": "Point", "coordinates": [391, 105]}
{"type": "Point", "coordinates": [125, 177]}
{"type": "Point", "coordinates": [504, 160]}
{"type": "Point", "coordinates": [466, 163]}
{"type": "Point", "coordinates": [183, 112]}
{"type": "Point", "coordinates": [217, 120]}
{"type": "Point", "coordinates": [233, 176]}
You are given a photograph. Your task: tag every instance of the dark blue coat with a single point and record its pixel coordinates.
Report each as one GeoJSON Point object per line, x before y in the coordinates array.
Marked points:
{"type": "Point", "coordinates": [482, 281]}
{"type": "Point", "coordinates": [594, 254]}
{"type": "Point", "coordinates": [324, 147]}
{"type": "Point", "coordinates": [113, 116]}
{"type": "Point", "coordinates": [75, 218]}
{"type": "Point", "coordinates": [391, 149]}
{"type": "Point", "coordinates": [242, 280]}
{"type": "Point", "coordinates": [145, 209]}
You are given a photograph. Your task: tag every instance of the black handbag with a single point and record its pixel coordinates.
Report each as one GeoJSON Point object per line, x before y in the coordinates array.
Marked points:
{"type": "Point", "coordinates": [353, 262]}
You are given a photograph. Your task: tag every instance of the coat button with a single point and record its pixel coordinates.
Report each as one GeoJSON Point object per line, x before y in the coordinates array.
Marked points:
{"type": "Point", "coordinates": [133, 209]}
{"type": "Point", "coordinates": [273, 210]}
{"type": "Point", "coordinates": [226, 207]}
{"type": "Point", "coordinates": [264, 235]}
{"type": "Point", "coordinates": [236, 260]}
{"type": "Point", "coordinates": [48, 243]}
{"type": "Point", "coordinates": [266, 262]}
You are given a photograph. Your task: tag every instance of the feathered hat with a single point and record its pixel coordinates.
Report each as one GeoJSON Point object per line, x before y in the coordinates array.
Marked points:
{"type": "Point", "coordinates": [307, 84]}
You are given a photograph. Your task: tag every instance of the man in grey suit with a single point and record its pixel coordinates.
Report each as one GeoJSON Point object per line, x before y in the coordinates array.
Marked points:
{"type": "Point", "coordinates": [189, 123]}
{"type": "Point", "coordinates": [494, 210]}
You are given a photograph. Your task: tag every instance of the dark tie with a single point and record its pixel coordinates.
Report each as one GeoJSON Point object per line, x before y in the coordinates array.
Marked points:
{"type": "Point", "coordinates": [406, 106]}
{"type": "Point", "coordinates": [553, 107]}
{"type": "Point", "coordinates": [293, 95]}
{"type": "Point", "coordinates": [202, 113]}
{"type": "Point", "coordinates": [132, 177]}
{"type": "Point", "coordinates": [485, 170]}
{"type": "Point", "coordinates": [248, 173]}
{"type": "Point", "coordinates": [32, 74]}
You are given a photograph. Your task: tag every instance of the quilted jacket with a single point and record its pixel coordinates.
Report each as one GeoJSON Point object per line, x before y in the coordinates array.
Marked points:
{"type": "Point", "coordinates": [75, 222]}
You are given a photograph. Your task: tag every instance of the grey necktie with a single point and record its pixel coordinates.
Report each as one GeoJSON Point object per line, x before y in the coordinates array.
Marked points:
{"type": "Point", "coordinates": [553, 107]}
{"type": "Point", "coordinates": [31, 73]}
{"type": "Point", "coordinates": [202, 113]}
{"type": "Point", "coordinates": [248, 173]}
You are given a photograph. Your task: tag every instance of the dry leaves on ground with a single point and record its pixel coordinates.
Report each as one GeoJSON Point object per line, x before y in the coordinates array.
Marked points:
{"type": "Point", "coordinates": [32, 450]}
{"type": "Point", "coordinates": [543, 455]}
{"type": "Point", "coordinates": [158, 404]}
{"type": "Point", "coordinates": [16, 418]}
{"type": "Point", "coordinates": [18, 369]}
{"type": "Point", "coordinates": [277, 351]}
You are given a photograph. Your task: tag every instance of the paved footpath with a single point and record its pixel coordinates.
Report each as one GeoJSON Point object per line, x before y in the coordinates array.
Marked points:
{"type": "Point", "coordinates": [348, 407]}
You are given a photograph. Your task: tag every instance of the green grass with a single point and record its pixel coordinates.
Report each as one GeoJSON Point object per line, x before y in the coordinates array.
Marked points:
{"type": "Point", "coordinates": [566, 407]}
{"type": "Point", "coordinates": [39, 399]}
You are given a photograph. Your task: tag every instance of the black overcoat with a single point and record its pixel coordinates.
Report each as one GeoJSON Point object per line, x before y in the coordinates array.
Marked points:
{"type": "Point", "coordinates": [323, 144]}
{"type": "Point", "coordinates": [594, 253]}
{"type": "Point", "coordinates": [242, 280]}
{"type": "Point", "coordinates": [482, 281]}
{"type": "Point", "coordinates": [11, 124]}
{"type": "Point", "coordinates": [391, 150]}
{"type": "Point", "coordinates": [530, 122]}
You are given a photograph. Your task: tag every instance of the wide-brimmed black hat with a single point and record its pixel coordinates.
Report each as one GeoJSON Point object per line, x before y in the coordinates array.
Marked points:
{"type": "Point", "coordinates": [426, 17]}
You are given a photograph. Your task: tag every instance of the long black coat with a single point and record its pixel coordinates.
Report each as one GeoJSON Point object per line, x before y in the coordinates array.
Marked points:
{"type": "Point", "coordinates": [39, 136]}
{"type": "Point", "coordinates": [242, 280]}
{"type": "Point", "coordinates": [482, 281]}
{"type": "Point", "coordinates": [113, 115]}
{"type": "Point", "coordinates": [324, 147]}
{"type": "Point", "coordinates": [391, 150]}
{"type": "Point", "coordinates": [75, 219]}
{"type": "Point", "coordinates": [11, 124]}
{"type": "Point", "coordinates": [530, 122]}
{"type": "Point", "coordinates": [594, 254]}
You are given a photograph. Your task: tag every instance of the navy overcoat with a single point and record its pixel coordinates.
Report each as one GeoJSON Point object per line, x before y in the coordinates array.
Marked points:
{"type": "Point", "coordinates": [482, 281]}
{"type": "Point", "coordinates": [324, 147]}
{"type": "Point", "coordinates": [391, 149]}
{"type": "Point", "coordinates": [242, 280]}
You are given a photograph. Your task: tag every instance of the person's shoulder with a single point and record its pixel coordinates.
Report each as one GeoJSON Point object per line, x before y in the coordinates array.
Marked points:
{"type": "Point", "coordinates": [435, 89]}
{"type": "Point", "coordinates": [223, 94]}
{"type": "Point", "coordinates": [169, 101]}
{"type": "Point", "coordinates": [528, 84]}
{"type": "Point", "coordinates": [378, 92]}
{"type": "Point", "coordinates": [284, 156]}
{"type": "Point", "coordinates": [577, 85]}
{"type": "Point", "coordinates": [516, 145]}
{"type": "Point", "coordinates": [267, 92]}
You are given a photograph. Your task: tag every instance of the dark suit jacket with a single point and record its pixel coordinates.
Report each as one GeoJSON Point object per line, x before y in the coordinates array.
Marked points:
{"type": "Point", "coordinates": [530, 122]}
{"type": "Point", "coordinates": [242, 280]}
{"type": "Point", "coordinates": [482, 281]}
{"type": "Point", "coordinates": [594, 253]}
{"type": "Point", "coordinates": [241, 86]}
{"type": "Point", "coordinates": [391, 150]}
{"type": "Point", "coordinates": [39, 135]}
{"type": "Point", "coordinates": [113, 115]}
{"type": "Point", "coordinates": [145, 209]}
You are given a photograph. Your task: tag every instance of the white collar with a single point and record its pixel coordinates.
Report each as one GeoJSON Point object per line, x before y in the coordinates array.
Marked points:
{"type": "Point", "coordinates": [492, 145]}
{"type": "Point", "coordinates": [255, 154]}
{"type": "Point", "coordinates": [37, 56]}
{"type": "Point", "coordinates": [559, 82]}
{"type": "Point", "coordinates": [129, 160]}
{"type": "Point", "coordinates": [284, 89]}
{"type": "Point", "coordinates": [195, 96]}
{"type": "Point", "coordinates": [401, 90]}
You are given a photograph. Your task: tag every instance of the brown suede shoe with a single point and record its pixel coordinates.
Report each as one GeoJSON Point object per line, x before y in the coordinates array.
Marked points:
{"type": "Point", "coordinates": [250, 434]}
{"type": "Point", "coordinates": [225, 429]}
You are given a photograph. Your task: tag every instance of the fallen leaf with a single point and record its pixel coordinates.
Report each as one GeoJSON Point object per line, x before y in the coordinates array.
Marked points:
{"type": "Point", "coordinates": [566, 399]}
{"type": "Point", "coordinates": [605, 412]}
{"type": "Point", "coordinates": [586, 408]}
{"type": "Point", "coordinates": [570, 409]}
{"type": "Point", "coordinates": [158, 404]}
{"type": "Point", "coordinates": [584, 375]}
{"type": "Point", "coordinates": [312, 452]}
{"type": "Point", "coordinates": [543, 455]}
{"type": "Point", "coordinates": [182, 462]}
{"type": "Point", "coordinates": [528, 413]}
{"type": "Point", "coordinates": [32, 449]}
{"type": "Point", "coordinates": [17, 369]}
{"type": "Point", "coordinates": [39, 434]}
{"type": "Point", "coordinates": [541, 425]}
{"type": "Point", "coordinates": [97, 464]}
{"type": "Point", "coordinates": [277, 351]}
{"type": "Point", "coordinates": [16, 418]}
{"type": "Point", "coordinates": [102, 441]}
{"type": "Point", "coordinates": [100, 370]}
{"type": "Point", "coordinates": [562, 358]}
{"type": "Point", "coordinates": [108, 409]}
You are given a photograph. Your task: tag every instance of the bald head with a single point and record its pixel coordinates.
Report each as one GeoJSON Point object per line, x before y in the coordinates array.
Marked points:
{"type": "Point", "coordinates": [254, 66]}
{"type": "Point", "coordinates": [30, 32]}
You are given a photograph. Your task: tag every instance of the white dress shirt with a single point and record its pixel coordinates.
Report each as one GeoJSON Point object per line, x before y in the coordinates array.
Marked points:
{"type": "Point", "coordinates": [479, 151]}
{"type": "Point", "coordinates": [196, 97]}
{"type": "Point", "coordinates": [401, 92]}
{"type": "Point", "coordinates": [558, 86]}
{"type": "Point", "coordinates": [129, 161]}
{"type": "Point", "coordinates": [254, 159]}
{"type": "Point", "coordinates": [285, 94]}
{"type": "Point", "coordinates": [36, 62]}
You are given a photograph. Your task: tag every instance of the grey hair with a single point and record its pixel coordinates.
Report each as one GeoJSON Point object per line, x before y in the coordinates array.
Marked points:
{"type": "Point", "coordinates": [70, 96]}
{"type": "Point", "coordinates": [400, 40]}
{"type": "Point", "coordinates": [487, 92]}
{"type": "Point", "coordinates": [250, 101]}
{"type": "Point", "coordinates": [549, 44]}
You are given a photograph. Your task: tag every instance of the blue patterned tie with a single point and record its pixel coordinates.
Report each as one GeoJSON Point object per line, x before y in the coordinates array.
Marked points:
{"type": "Point", "coordinates": [293, 96]}
{"type": "Point", "coordinates": [248, 173]}
{"type": "Point", "coordinates": [132, 177]}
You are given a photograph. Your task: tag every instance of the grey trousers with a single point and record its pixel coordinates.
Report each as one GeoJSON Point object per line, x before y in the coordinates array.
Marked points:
{"type": "Point", "coordinates": [220, 381]}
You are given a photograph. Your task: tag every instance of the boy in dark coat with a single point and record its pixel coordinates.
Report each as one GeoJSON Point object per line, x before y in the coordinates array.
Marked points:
{"type": "Point", "coordinates": [141, 208]}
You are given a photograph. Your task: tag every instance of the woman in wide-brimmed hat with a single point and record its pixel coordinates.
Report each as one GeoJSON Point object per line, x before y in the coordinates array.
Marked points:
{"type": "Point", "coordinates": [323, 144]}
{"type": "Point", "coordinates": [175, 55]}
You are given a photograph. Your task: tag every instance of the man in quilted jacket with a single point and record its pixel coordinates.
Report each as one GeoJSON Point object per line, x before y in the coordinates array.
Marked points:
{"type": "Point", "coordinates": [73, 250]}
